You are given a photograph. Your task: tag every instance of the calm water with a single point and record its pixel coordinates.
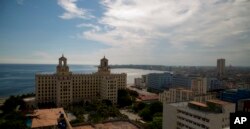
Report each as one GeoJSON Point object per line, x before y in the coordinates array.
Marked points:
{"type": "Point", "coordinates": [20, 78]}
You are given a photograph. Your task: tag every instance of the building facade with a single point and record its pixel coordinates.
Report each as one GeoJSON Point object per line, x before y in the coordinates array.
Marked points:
{"type": "Point", "coordinates": [199, 85]}
{"type": "Point", "coordinates": [243, 105]}
{"type": "Point", "coordinates": [174, 95]}
{"type": "Point", "coordinates": [181, 81]}
{"type": "Point", "coordinates": [159, 81]}
{"type": "Point", "coordinates": [139, 83]}
{"type": "Point", "coordinates": [221, 67]}
{"type": "Point", "coordinates": [214, 114]}
{"type": "Point", "coordinates": [233, 95]}
{"type": "Point", "coordinates": [65, 87]}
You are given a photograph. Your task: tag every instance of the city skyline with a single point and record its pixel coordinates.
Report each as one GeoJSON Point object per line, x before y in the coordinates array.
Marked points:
{"type": "Point", "coordinates": [194, 33]}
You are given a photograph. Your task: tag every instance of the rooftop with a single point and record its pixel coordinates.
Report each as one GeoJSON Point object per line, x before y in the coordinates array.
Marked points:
{"type": "Point", "coordinates": [217, 101]}
{"type": "Point", "coordinates": [46, 117]}
{"type": "Point", "coordinates": [148, 97]}
{"type": "Point", "coordinates": [198, 104]}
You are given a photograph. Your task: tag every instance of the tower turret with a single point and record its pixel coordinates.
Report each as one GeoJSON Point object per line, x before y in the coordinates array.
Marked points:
{"type": "Point", "coordinates": [62, 67]}
{"type": "Point", "coordinates": [103, 68]}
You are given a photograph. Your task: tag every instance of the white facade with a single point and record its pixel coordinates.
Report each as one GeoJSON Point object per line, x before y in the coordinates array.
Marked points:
{"type": "Point", "coordinates": [195, 115]}
{"type": "Point", "coordinates": [175, 95]}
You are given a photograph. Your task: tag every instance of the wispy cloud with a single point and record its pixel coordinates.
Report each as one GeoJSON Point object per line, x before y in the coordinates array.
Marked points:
{"type": "Point", "coordinates": [72, 11]}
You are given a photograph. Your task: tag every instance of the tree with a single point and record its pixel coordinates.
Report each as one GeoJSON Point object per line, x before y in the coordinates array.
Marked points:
{"type": "Point", "coordinates": [156, 123]}
{"type": "Point", "coordinates": [12, 102]}
{"type": "Point", "coordinates": [155, 107]}
{"type": "Point", "coordinates": [107, 102]}
{"type": "Point", "coordinates": [145, 114]}
{"type": "Point", "coordinates": [139, 106]}
{"type": "Point", "coordinates": [124, 98]}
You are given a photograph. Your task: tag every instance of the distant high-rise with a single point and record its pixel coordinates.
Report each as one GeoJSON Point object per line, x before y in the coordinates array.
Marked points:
{"type": "Point", "coordinates": [221, 67]}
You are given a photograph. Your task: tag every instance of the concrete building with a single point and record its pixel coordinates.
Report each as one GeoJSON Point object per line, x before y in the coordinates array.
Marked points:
{"type": "Point", "coordinates": [204, 97]}
{"type": "Point", "coordinates": [221, 67]}
{"type": "Point", "coordinates": [174, 95]}
{"type": "Point", "coordinates": [195, 83]}
{"type": "Point", "coordinates": [214, 114]}
{"type": "Point", "coordinates": [159, 81]}
{"type": "Point", "coordinates": [214, 84]}
{"type": "Point", "coordinates": [243, 105]}
{"type": "Point", "coordinates": [233, 95]}
{"type": "Point", "coordinates": [139, 83]}
{"type": "Point", "coordinates": [65, 87]}
{"type": "Point", "coordinates": [181, 81]}
{"type": "Point", "coordinates": [199, 85]}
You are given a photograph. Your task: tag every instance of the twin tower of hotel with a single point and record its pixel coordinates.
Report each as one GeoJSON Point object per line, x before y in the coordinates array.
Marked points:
{"type": "Point", "coordinates": [64, 87]}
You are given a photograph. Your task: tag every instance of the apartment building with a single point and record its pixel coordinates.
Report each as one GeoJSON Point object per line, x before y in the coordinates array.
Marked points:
{"type": "Point", "coordinates": [221, 67]}
{"type": "Point", "coordinates": [174, 95]}
{"type": "Point", "coordinates": [64, 87]}
{"type": "Point", "coordinates": [214, 114]}
{"type": "Point", "coordinates": [159, 81]}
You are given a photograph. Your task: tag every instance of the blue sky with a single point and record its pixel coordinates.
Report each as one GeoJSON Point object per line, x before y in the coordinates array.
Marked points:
{"type": "Point", "coordinates": [166, 32]}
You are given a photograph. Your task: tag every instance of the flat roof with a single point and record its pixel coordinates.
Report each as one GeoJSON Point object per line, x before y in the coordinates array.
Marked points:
{"type": "Point", "coordinates": [220, 102]}
{"type": "Point", "coordinates": [46, 117]}
{"type": "Point", "coordinates": [198, 104]}
{"type": "Point", "coordinates": [148, 97]}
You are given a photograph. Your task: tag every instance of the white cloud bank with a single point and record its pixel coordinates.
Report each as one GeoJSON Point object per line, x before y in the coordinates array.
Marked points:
{"type": "Point", "coordinates": [162, 31]}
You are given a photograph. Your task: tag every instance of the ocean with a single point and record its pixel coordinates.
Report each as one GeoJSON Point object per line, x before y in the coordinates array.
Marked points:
{"type": "Point", "coordinates": [16, 79]}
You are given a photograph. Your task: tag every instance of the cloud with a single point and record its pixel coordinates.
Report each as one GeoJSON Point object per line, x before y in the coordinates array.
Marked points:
{"type": "Point", "coordinates": [172, 29]}
{"type": "Point", "coordinates": [72, 11]}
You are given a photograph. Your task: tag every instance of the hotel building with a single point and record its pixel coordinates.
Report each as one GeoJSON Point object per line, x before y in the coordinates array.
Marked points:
{"type": "Point", "coordinates": [65, 87]}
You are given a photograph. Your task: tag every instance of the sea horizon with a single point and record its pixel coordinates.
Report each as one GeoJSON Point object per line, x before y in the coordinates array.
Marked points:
{"type": "Point", "coordinates": [17, 79]}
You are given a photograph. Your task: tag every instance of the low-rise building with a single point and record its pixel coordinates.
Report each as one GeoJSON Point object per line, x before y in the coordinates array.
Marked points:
{"type": "Point", "coordinates": [214, 114]}
{"type": "Point", "coordinates": [139, 83]}
{"type": "Point", "coordinates": [233, 95]}
{"type": "Point", "coordinates": [204, 97]}
{"type": "Point", "coordinates": [174, 95]}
